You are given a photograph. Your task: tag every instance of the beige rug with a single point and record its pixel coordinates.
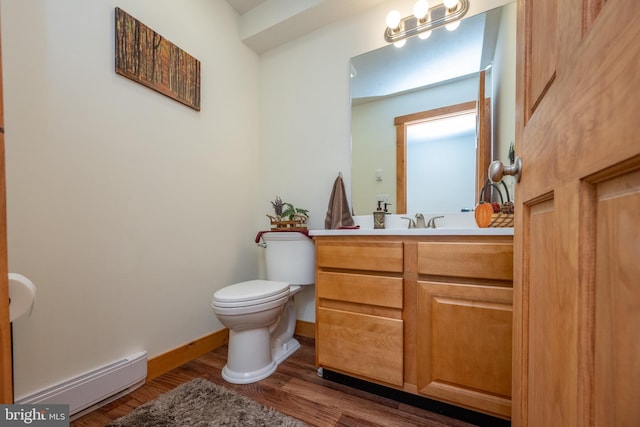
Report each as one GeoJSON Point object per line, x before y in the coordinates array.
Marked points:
{"type": "Point", "coordinates": [203, 403]}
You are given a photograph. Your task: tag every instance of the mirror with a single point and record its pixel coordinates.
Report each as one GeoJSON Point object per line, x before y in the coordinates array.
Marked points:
{"type": "Point", "coordinates": [416, 82]}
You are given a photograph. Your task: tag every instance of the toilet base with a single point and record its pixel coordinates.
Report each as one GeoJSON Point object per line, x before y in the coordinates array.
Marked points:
{"type": "Point", "coordinates": [234, 377]}
{"type": "Point", "coordinates": [283, 343]}
{"type": "Point", "coordinates": [249, 357]}
{"type": "Point", "coordinates": [284, 350]}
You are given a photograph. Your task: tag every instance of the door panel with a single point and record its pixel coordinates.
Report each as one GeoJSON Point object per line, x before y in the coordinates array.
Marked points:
{"type": "Point", "coordinates": [551, 308]}
{"type": "Point", "coordinates": [577, 243]}
{"type": "Point", "coordinates": [617, 306]}
{"type": "Point", "coordinates": [543, 41]}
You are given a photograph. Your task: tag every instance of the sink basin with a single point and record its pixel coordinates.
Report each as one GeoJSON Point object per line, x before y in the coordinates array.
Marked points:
{"type": "Point", "coordinates": [459, 224]}
{"type": "Point", "coordinates": [397, 222]}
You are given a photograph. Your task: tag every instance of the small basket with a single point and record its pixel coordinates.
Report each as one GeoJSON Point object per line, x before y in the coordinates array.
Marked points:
{"type": "Point", "coordinates": [500, 219]}
{"type": "Point", "coordinates": [298, 223]}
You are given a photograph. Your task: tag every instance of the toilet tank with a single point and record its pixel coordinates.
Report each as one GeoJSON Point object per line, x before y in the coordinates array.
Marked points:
{"type": "Point", "coordinates": [290, 257]}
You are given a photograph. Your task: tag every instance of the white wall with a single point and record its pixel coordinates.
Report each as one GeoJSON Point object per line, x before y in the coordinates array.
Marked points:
{"type": "Point", "coordinates": [126, 208]}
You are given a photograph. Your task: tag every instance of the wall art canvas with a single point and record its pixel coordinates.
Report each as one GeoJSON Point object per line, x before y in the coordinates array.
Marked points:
{"type": "Point", "coordinates": [146, 57]}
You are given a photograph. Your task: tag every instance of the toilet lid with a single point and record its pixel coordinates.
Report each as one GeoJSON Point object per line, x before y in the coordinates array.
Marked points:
{"type": "Point", "coordinates": [251, 291]}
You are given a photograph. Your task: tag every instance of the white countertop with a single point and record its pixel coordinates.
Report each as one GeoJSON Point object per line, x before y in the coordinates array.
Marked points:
{"type": "Point", "coordinates": [458, 224]}
{"type": "Point", "coordinates": [416, 232]}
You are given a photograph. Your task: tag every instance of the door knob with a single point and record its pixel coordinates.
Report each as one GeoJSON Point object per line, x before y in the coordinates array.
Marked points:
{"type": "Point", "coordinates": [497, 170]}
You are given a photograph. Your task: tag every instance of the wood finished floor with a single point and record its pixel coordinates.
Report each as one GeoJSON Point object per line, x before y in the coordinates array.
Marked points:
{"type": "Point", "coordinates": [294, 389]}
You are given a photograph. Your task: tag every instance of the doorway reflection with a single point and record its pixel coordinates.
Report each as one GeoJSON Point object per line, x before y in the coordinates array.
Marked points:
{"type": "Point", "coordinates": [441, 162]}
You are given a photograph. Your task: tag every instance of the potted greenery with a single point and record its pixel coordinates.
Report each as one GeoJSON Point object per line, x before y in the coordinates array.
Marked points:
{"type": "Point", "coordinates": [287, 215]}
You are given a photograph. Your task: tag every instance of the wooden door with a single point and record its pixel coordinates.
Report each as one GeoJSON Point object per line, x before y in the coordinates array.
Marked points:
{"type": "Point", "coordinates": [577, 239]}
{"type": "Point", "coordinates": [6, 375]}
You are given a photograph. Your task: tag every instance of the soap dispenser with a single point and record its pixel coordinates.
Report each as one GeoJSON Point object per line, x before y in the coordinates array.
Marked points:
{"type": "Point", "coordinates": [379, 215]}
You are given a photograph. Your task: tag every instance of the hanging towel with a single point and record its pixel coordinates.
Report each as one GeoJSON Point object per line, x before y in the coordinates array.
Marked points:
{"type": "Point", "coordinates": [338, 214]}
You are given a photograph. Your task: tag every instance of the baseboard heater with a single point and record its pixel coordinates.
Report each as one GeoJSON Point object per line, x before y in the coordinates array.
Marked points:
{"type": "Point", "coordinates": [95, 388]}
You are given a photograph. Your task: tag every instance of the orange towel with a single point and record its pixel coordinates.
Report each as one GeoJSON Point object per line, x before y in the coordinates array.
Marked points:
{"type": "Point", "coordinates": [338, 213]}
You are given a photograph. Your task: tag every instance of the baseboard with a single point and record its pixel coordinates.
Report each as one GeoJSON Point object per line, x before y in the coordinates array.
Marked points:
{"type": "Point", "coordinates": [170, 360]}
{"type": "Point", "coordinates": [305, 329]}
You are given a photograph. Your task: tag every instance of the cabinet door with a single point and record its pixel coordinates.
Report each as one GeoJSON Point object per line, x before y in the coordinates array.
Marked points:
{"type": "Point", "coordinates": [360, 344]}
{"type": "Point", "coordinates": [464, 345]}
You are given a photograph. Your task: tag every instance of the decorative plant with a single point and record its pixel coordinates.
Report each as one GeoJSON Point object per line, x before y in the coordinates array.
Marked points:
{"type": "Point", "coordinates": [288, 212]}
{"type": "Point", "coordinates": [292, 212]}
{"type": "Point", "coordinates": [277, 206]}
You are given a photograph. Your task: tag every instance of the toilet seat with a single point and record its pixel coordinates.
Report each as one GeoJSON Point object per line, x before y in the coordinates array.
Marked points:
{"type": "Point", "coordinates": [250, 293]}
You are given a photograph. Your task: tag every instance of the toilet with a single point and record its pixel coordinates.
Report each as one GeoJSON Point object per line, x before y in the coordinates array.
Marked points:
{"type": "Point", "coordinates": [261, 314]}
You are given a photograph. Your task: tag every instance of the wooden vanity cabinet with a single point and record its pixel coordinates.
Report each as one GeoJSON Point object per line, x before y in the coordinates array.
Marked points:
{"type": "Point", "coordinates": [464, 317]}
{"type": "Point", "coordinates": [428, 315]}
{"type": "Point", "coordinates": [359, 300]}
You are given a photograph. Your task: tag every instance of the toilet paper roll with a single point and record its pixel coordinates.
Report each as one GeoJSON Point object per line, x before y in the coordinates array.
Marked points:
{"type": "Point", "coordinates": [22, 295]}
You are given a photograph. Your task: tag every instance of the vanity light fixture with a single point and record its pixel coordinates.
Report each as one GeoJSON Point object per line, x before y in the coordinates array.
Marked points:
{"type": "Point", "coordinates": [424, 19]}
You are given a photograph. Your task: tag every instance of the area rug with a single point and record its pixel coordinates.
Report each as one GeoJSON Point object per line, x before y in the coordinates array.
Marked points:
{"type": "Point", "coordinates": [200, 403]}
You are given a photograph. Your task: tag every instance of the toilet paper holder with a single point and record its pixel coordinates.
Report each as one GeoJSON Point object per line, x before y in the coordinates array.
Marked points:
{"type": "Point", "coordinates": [22, 296]}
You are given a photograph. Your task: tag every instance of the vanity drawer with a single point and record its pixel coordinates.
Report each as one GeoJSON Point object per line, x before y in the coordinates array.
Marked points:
{"type": "Point", "coordinates": [360, 344]}
{"type": "Point", "coordinates": [360, 288]}
{"type": "Point", "coordinates": [373, 256]}
{"type": "Point", "coordinates": [463, 259]}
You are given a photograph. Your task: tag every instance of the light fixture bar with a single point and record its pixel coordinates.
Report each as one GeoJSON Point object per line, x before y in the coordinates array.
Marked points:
{"type": "Point", "coordinates": [404, 30]}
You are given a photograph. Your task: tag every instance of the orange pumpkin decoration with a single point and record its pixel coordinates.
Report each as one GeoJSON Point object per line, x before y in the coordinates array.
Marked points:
{"type": "Point", "coordinates": [483, 214]}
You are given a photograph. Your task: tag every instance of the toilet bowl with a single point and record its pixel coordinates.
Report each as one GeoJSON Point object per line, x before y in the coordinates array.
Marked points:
{"type": "Point", "coordinates": [261, 314]}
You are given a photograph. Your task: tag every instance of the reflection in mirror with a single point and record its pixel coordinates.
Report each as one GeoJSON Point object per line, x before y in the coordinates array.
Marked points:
{"type": "Point", "coordinates": [423, 76]}
{"type": "Point", "coordinates": [451, 137]}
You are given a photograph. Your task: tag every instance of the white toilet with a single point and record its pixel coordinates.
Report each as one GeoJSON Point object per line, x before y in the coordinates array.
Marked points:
{"type": "Point", "coordinates": [261, 314]}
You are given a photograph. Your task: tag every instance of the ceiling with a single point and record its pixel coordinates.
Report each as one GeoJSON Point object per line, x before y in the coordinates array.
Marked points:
{"type": "Point", "coordinates": [243, 6]}
{"type": "Point", "coordinates": [266, 24]}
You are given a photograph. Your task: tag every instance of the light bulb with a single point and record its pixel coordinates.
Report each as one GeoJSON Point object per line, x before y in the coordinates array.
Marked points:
{"type": "Point", "coordinates": [450, 4]}
{"type": "Point", "coordinates": [420, 9]}
{"type": "Point", "coordinates": [452, 26]}
{"type": "Point", "coordinates": [393, 19]}
{"type": "Point", "coordinates": [424, 35]}
{"type": "Point", "coordinates": [400, 43]}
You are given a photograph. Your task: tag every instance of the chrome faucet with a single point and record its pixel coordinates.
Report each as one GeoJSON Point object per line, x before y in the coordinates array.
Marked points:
{"type": "Point", "coordinates": [420, 223]}
{"type": "Point", "coordinates": [432, 221]}
{"type": "Point", "coordinates": [412, 223]}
